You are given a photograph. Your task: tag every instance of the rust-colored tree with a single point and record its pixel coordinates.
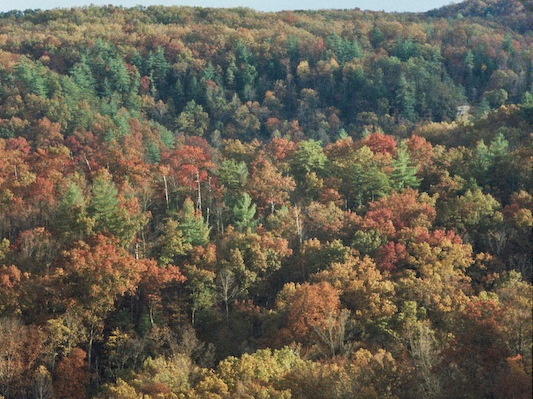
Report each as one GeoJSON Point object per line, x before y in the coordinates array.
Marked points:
{"type": "Point", "coordinates": [72, 376]}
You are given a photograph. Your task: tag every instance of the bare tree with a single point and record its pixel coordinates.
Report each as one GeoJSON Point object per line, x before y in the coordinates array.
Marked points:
{"type": "Point", "coordinates": [336, 333]}
{"type": "Point", "coordinates": [42, 383]}
{"type": "Point", "coordinates": [227, 288]}
{"type": "Point", "coordinates": [423, 349]}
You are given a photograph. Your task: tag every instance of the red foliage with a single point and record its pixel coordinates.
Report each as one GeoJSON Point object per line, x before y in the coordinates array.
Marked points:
{"type": "Point", "coordinates": [47, 133]}
{"type": "Point", "coordinates": [10, 278]}
{"type": "Point", "coordinates": [98, 273]}
{"type": "Point", "coordinates": [391, 256]}
{"type": "Point", "coordinates": [144, 86]}
{"type": "Point", "coordinates": [20, 348]}
{"type": "Point", "coordinates": [187, 164]}
{"type": "Point", "coordinates": [272, 124]}
{"type": "Point", "coordinates": [341, 150]}
{"type": "Point", "coordinates": [436, 237]}
{"type": "Point", "coordinates": [399, 214]}
{"type": "Point", "coordinates": [154, 280]}
{"type": "Point", "coordinates": [380, 143]}
{"type": "Point", "coordinates": [156, 389]}
{"type": "Point", "coordinates": [18, 144]}
{"type": "Point", "coordinates": [280, 148]}
{"type": "Point", "coordinates": [328, 195]}
{"type": "Point", "coordinates": [420, 151]}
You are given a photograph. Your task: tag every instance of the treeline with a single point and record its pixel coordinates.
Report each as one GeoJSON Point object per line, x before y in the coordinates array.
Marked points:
{"type": "Point", "coordinates": [241, 74]}
{"type": "Point", "coordinates": [206, 203]}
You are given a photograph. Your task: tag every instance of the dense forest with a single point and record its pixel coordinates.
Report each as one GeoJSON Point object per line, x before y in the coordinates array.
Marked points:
{"type": "Point", "coordinates": [222, 203]}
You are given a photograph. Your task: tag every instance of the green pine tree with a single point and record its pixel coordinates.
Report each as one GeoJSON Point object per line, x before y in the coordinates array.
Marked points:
{"type": "Point", "coordinates": [172, 243]}
{"type": "Point", "coordinates": [403, 173]}
{"type": "Point", "coordinates": [243, 214]}
{"type": "Point", "coordinates": [405, 98]}
{"type": "Point", "coordinates": [83, 78]}
{"type": "Point", "coordinates": [109, 216]}
{"type": "Point", "coordinates": [32, 77]}
{"type": "Point", "coordinates": [195, 230]}
{"type": "Point", "coordinates": [104, 203]}
{"type": "Point", "coordinates": [72, 218]}
{"type": "Point", "coordinates": [193, 121]}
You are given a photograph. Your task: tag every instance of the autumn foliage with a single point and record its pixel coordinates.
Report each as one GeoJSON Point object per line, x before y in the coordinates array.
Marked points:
{"type": "Point", "coordinates": [222, 203]}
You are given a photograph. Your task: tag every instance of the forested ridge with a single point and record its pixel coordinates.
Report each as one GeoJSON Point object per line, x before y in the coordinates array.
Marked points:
{"type": "Point", "coordinates": [223, 203]}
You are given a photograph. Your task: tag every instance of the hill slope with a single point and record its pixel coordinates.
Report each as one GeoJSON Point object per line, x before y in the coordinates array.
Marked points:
{"type": "Point", "coordinates": [221, 203]}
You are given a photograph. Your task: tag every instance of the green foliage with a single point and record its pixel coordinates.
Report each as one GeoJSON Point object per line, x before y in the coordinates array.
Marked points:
{"type": "Point", "coordinates": [4, 249]}
{"type": "Point", "coordinates": [474, 215]}
{"type": "Point", "coordinates": [405, 98]}
{"type": "Point", "coordinates": [109, 215]}
{"type": "Point", "coordinates": [376, 36]}
{"type": "Point", "coordinates": [104, 204]}
{"type": "Point", "coordinates": [82, 77]}
{"type": "Point", "coordinates": [172, 243]}
{"type": "Point", "coordinates": [362, 179]}
{"type": "Point", "coordinates": [308, 157]}
{"type": "Point", "coordinates": [367, 242]}
{"type": "Point", "coordinates": [527, 104]}
{"type": "Point", "coordinates": [157, 67]}
{"type": "Point", "coordinates": [72, 218]}
{"type": "Point", "coordinates": [406, 49]}
{"type": "Point", "coordinates": [201, 289]}
{"type": "Point", "coordinates": [195, 230]}
{"type": "Point", "coordinates": [403, 173]}
{"type": "Point", "coordinates": [252, 371]}
{"type": "Point", "coordinates": [345, 50]}
{"type": "Point", "coordinates": [31, 76]}
{"type": "Point", "coordinates": [233, 174]}
{"type": "Point", "coordinates": [243, 214]}
{"type": "Point", "coordinates": [193, 121]}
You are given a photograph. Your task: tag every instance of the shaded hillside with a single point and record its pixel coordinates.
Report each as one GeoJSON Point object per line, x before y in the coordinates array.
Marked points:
{"type": "Point", "coordinates": [515, 14]}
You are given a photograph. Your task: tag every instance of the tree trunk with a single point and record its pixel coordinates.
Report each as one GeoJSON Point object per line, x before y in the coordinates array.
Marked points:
{"type": "Point", "coordinates": [166, 189]}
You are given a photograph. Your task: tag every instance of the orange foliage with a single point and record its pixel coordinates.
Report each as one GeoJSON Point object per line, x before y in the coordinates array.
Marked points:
{"type": "Point", "coordinates": [313, 306]}
{"type": "Point", "coordinates": [380, 143]}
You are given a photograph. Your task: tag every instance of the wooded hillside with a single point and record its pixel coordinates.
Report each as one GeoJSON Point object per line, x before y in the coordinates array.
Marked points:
{"type": "Point", "coordinates": [222, 203]}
